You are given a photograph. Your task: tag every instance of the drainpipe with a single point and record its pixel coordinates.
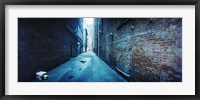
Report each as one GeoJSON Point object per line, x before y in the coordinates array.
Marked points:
{"type": "Point", "coordinates": [127, 75]}
{"type": "Point", "coordinates": [98, 36]}
{"type": "Point", "coordinates": [98, 43]}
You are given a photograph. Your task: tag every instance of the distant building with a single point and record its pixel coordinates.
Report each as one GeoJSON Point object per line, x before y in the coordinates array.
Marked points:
{"type": "Point", "coordinates": [85, 39]}
{"type": "Point", "coordinates": [90, 31]}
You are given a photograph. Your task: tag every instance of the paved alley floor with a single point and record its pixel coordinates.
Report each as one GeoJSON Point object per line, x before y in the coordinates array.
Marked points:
{"type": "Point", "coordinates": [87, 67]}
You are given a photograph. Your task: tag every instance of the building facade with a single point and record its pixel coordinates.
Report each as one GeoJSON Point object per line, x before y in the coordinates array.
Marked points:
{"type": "Point", "coordinates": [44, 43]}
{"type": "Point", "coordinates": [141, 49]}
{"type": "Point", "coordinates": [85, 40]}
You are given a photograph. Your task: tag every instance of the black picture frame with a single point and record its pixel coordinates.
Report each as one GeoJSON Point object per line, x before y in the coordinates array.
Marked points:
{"type": "Point", "coordinates": [98, 2]}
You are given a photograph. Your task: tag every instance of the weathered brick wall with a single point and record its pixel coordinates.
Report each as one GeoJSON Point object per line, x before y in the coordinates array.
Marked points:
{"type": "Point", "coordinates": [147, 49]}
{"type": "Point", "coordinates": [43, 44]}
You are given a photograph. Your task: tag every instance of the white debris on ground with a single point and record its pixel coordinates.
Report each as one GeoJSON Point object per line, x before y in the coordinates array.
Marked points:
{"type": "Point", "coordinates": [42, 75]}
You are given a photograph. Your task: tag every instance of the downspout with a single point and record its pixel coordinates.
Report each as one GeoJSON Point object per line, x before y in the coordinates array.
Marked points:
{"type": "Point", "coordinates": [127, 75]}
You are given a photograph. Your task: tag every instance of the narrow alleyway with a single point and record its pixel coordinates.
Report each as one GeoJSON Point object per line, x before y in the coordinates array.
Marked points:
{"type": "Point", "coordinates": [131, 49]}
{"type": "Point", "coordinates": [87, 67]}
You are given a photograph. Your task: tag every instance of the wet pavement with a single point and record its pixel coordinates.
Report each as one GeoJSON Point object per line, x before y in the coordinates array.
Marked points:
{"type": "Point", "coordinates": [86, 67]}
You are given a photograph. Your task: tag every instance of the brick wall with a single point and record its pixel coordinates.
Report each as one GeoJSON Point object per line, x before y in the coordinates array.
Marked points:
{"type": "Point", "coordinates": [43, 44]}
{"type": "Point", "coordinates": [147, 49]}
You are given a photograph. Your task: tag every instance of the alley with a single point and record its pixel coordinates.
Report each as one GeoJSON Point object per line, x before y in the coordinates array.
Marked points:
{"type": "Point", "coordinates": [100, 49]}
{"type": "Point", "coordinates": [86, 67]}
